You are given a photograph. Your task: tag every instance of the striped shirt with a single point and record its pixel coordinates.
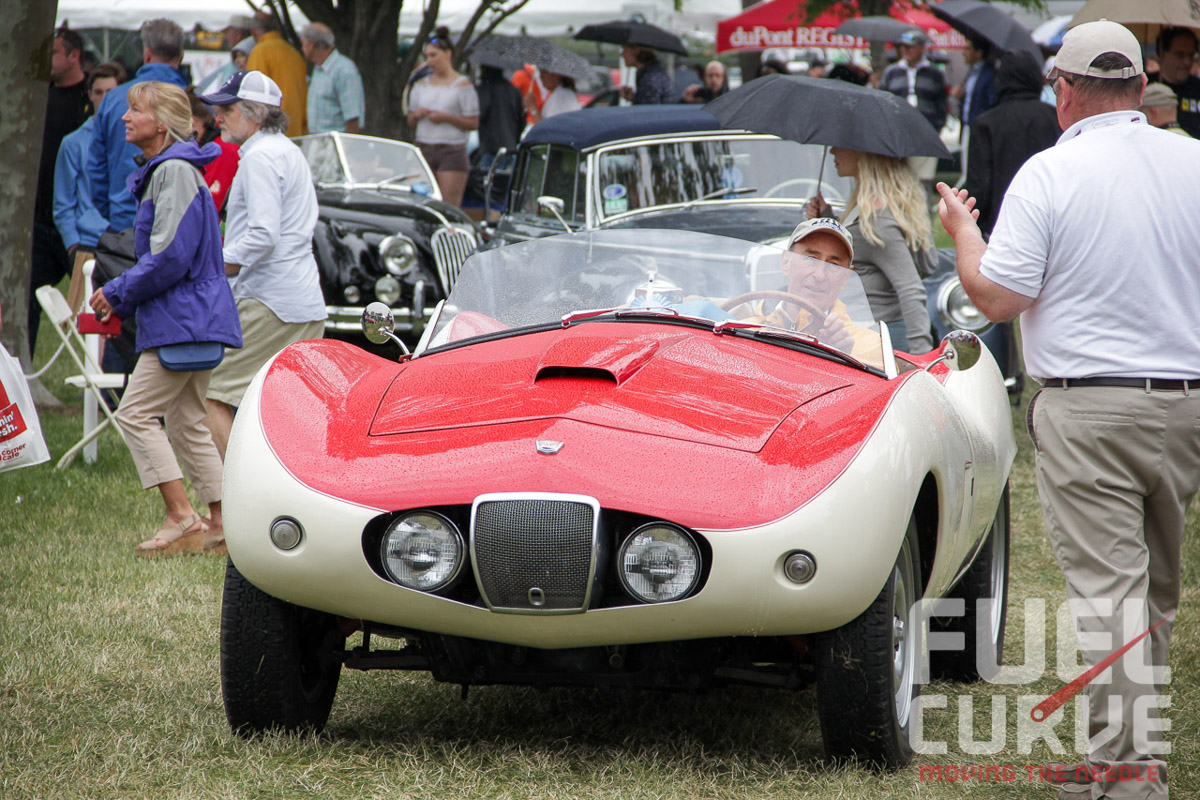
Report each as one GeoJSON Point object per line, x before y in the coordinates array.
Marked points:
{"type": "Point", "coordinates": [335, 95]}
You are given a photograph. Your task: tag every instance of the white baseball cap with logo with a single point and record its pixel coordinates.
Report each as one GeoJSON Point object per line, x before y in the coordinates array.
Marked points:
{"type": "Point", "coordinates": [826, 225]}
{"type": "Point", "coordinates": [252, 85]}
{"type": "Point", "coordinates": [1082, 44]}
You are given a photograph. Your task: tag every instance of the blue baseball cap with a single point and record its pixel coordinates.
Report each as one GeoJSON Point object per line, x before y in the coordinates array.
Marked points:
{"type": "Point", "coordinates": [252, 85]}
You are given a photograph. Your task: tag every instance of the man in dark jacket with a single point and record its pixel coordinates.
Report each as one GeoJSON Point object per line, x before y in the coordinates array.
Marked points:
{"type": "Point", "coordinates": [501, 114]}
{"type": "Point", "coordinates": [1007, 134]}
{"type": "Point", "coordinates": [917, 80]}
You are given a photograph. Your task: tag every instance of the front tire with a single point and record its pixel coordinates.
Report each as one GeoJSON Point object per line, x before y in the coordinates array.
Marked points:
{"type": "Point", "coordinates": [867, 671]}
{"type": "Point", "coordinates": [280, 663]}
{"type": "Point", "coordinates": [984, 588]}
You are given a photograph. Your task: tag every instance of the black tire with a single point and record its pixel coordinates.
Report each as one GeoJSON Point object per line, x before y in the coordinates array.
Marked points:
{"type": "Point", "coordinates": [867, 671]}
{"type": "Point", "coordinates": [280, 663]}
{"type": "Point", "coordinates": [985, 579]}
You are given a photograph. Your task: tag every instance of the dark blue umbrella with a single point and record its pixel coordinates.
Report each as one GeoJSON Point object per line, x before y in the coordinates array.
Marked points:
{"type": "Point", "coordinates": [978, 20]}
{"type": "Point", "coordinates": [633, 33]}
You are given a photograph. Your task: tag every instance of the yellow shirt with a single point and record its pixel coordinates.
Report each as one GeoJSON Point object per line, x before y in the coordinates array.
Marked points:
{"type": "Point", "coordinates": [867, 347]}
{"type": "Point", "coordinates": [283, 64]}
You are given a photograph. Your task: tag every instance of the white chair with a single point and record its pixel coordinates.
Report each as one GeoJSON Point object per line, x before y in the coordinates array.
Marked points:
{"type": "Point", "coordinates": [91, 377]}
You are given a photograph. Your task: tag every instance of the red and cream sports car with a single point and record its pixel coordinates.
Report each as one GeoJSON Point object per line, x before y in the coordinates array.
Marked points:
{"type": "Point", "coordinates": [618, 458]}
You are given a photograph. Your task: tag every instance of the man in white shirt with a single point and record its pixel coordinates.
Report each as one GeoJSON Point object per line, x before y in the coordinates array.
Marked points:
{"type": "Point", "coordinates": [272, 212]}
{"type": "Point", "coordinates": [1103, 276]}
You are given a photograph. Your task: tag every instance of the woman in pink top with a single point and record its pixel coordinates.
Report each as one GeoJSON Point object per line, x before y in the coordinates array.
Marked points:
{"type": "Point", "coordinates": [443, 108]}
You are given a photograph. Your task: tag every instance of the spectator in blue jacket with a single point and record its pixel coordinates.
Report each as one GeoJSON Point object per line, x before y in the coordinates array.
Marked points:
{"type": "Point", "coordinates": [111, 157]}
{"type": "Point", "coordinates": [178, 290]}
{"type": "Point", "coordinates": [75, 215]}
{"type": "Point", "coordinates": [978, 92]}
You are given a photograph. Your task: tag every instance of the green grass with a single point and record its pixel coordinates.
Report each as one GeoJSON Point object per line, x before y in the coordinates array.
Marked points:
{"type": "Point", "coordinates": [109, 684]}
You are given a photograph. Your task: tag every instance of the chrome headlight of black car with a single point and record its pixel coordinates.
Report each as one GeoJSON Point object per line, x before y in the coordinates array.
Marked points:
{"type": "Point", "coordinates": [398, 255]}
{"type": "Point", "coordinates": [659, 562]}
{"type": "Point", "coordinates": [956, 308]}
{"type": "Point", "coordinates": [422, 550]}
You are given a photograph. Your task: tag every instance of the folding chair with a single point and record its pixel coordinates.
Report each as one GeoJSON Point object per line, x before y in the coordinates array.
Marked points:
{"type": "Point", "coordinates": [90, 378]}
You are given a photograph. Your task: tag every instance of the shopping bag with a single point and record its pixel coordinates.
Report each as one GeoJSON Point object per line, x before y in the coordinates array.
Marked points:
{"type": "Point", "coordinates": [21, 443]}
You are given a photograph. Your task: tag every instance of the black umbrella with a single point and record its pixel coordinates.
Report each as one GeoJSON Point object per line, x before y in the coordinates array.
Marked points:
{"type": "Point", "coordinates": [636, 34]}
{"type": "Point", "coordinates": [516, 51]}
{"type": "Point", "coordinates": [978, 20]}
{"type": "Point", "coordinates": [880, 28]}
{"type": "Point", "coordinates": [829, 112]}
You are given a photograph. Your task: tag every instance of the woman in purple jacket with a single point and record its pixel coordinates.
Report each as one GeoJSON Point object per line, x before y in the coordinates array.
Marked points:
{"type": "Point", "coordinates": [178, 290]}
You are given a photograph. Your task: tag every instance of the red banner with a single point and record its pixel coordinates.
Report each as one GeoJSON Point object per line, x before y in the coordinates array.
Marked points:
{"type": "Point", "coordinates": [781, 23]}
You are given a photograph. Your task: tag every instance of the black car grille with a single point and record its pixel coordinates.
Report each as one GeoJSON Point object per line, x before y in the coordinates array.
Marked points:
{"type": "Point", "coordinates": [534, 555]}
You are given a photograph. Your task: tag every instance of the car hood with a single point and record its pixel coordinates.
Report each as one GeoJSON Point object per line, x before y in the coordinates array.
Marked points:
{"type": "Point", "coordinates": [381, 201]}
{"type": "Point", "coordinates": [674, 385]}
{"type": "Point", "coordinates": [756, 222]}
{"type": "Point", "coordinates": [670, 430]}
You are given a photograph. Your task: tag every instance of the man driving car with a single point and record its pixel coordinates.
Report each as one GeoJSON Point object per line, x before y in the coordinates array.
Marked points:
{"type": "Point", "coordinates": [817, 267]}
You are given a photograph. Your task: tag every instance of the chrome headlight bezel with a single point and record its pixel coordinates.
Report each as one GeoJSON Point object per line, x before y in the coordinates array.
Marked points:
{"type": "Point", "coordinates": [398, 255]}
{"type": "Point", "coordinates": [676, 550]}
{"type": "Point", "coordinates": [394, 545]}
{"type": "Point", "coordinates": [956, 309]}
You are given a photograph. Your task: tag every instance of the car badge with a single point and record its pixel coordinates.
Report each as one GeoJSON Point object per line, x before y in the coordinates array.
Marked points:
{"type": "Point", "coordinates": [548, 447]}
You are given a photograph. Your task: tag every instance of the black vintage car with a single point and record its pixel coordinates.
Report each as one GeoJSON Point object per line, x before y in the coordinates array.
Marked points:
{"type": "Point", "coordinates": [663, 166]}
{"type": "Point", "coordinates": [383, 232]}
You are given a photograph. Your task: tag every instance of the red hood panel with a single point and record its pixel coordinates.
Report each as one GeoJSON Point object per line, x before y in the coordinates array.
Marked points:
{"type": "Point", "coordinates": [675, 384]}
{"type": "Point", "coordinates": [319, 397]}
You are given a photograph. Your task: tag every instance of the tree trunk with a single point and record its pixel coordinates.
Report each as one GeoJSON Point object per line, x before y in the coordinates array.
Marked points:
{"type": "Point", "coordinates": [28, 33]}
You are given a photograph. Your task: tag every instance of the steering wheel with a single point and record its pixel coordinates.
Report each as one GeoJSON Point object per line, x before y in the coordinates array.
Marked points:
{"type": "Point", "coordinates": [811, 187]}
{"type": "Point", "coordinates": [774, 294]}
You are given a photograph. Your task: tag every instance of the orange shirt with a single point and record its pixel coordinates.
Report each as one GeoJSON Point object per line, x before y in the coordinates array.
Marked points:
{"type": "Point", "coordinates": [283, 64]}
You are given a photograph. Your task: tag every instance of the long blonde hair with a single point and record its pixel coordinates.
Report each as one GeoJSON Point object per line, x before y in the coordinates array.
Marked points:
{"type": "Point", "coordinates": [886, 182]}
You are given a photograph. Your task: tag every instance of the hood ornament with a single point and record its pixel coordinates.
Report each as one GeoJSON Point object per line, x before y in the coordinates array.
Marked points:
{"type": "Point", "coordinates": [548, 447]}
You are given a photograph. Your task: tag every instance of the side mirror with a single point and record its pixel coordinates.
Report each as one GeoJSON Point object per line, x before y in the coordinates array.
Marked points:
{"type": "Point", "coordinates": [378, 325]}
{"type": "Point", "coordinates": [548, 206]}
{"type": "Point", "coordinates": [961, 351]}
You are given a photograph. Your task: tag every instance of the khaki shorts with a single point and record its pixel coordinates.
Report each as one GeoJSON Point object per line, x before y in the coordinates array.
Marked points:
{"type": "Point", "coordinates": [263, 335]}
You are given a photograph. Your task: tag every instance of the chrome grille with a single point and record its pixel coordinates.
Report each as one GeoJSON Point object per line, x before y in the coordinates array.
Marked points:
{"type": "Point", "coordinates": [534, 554]}
{"type": "Point", "coordinates": [451, 246]}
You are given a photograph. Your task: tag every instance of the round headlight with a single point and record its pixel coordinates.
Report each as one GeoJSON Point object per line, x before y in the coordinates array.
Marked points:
{"type": "Point", "coordinates": [398, 255]}
{"type": "Point", "coordinates": [387, 290]}
{"type": "Point", "coordinates": [659, 562]}
{"type": "Point", "coordinates": [422, 550]}
{"type": "Point", "coordinates": [957, 310]}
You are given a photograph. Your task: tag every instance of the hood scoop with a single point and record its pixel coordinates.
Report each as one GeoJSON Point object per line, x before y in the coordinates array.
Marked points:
{"type": "Point", "coordinates": [597, 357]}
{"type": "Point", "coordinates": [576, 373]}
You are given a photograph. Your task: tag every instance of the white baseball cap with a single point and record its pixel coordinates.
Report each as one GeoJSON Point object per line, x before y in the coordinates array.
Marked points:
{"type": "Point", "coordinates": [819, 224]}
{"type": "Point", "coordinates": [252, 85]}
{"type": "Point", "coordinates": [1082, 44]}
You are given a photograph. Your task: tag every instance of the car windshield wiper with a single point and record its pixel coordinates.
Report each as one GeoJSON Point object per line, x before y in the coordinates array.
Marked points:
{"type": "Point", "coordinates": [386, 183]}
{"type": "Point", "coordinates": [719, 193]}
{"type": "Point", "coordinates": [758, 330]}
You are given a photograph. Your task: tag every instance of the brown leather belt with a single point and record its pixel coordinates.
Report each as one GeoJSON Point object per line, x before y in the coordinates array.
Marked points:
{"type": "Point", "coordinates": [1145, 384]}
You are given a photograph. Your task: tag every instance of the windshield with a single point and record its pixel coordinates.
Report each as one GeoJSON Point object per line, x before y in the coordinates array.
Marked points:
{"type": "Point", "coordinates": [366, 160]}
{"type": "Point", "coordinates": [667, 275]}
{"type": "Point", "coordinates": [746, 168]}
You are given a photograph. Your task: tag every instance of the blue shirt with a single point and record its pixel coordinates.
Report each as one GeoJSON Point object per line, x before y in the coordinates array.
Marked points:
{"type": "Point", "coordinates": [335, 95]}
{"type": "Point", "coordinates": [75, 214]}
{"type": "Point", "coordinates": [110, 159]}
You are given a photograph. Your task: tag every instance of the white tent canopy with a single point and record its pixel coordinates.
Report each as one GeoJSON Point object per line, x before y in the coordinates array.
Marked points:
{"type": "Point", "coordinates": [537, 17]}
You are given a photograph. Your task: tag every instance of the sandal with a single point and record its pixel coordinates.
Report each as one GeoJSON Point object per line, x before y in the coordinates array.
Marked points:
{"type": "Point", "coordinates": [175, 538]}
{"type": "Point", "coordinates": [216, 546]}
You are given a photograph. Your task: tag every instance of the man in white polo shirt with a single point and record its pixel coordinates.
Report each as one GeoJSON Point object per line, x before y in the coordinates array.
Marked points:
{"type": "Point", "coordinates": [1103, 274]}
{"type": "Point", "coordinates": [272, 212]}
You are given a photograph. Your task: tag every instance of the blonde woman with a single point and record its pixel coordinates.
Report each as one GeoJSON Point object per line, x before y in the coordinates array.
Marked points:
{"type": "Point", "coordinates": [179, 293]}
{"type": "Point", "coordinates": [889, 221]}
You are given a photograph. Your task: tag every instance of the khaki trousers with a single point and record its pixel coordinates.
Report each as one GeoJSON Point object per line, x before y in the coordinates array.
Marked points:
{"type": "Point", "coordinates": [1117, 468]}
{"type": "Point", "coordinates": [178, 398]}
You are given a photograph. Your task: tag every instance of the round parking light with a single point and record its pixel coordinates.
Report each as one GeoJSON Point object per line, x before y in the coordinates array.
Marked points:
{"type": "Point", "coordinates": [659, 562]}
{"type": "Point", "coordinates": [286, 533]}
{"type": "Point", "coordinates": [800, 568]}
{"type": "Point", "coordinates": [422, 550]}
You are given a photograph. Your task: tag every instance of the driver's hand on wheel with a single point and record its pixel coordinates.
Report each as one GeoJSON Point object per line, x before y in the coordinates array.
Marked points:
{"type": "Point", "coordinates": [833, 332]}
